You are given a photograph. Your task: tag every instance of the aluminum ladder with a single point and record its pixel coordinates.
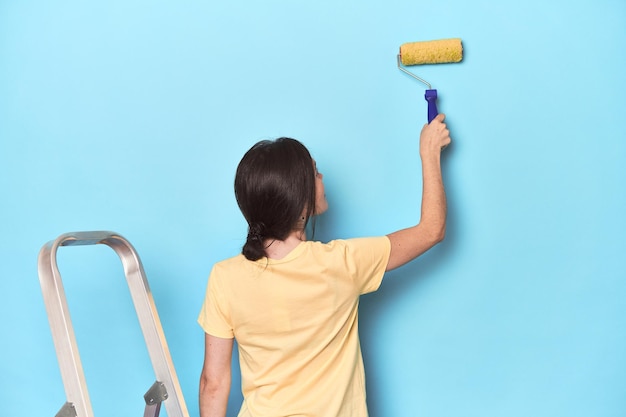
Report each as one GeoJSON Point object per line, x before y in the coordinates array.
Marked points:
{"type": "Point", "coordinates": [166, 388]}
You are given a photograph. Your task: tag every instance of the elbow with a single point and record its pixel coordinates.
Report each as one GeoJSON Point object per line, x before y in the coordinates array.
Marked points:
{"type": "Point", "coordinates": [434, 229]}
{"type": "Point", "coordinates": [438, 234]}
{"type": "Point", "coordinates": [210, 387]}
{"type": "Point", "coordinates": [213, 397]}
{"type": "Point", "coordinates": [442, 233]}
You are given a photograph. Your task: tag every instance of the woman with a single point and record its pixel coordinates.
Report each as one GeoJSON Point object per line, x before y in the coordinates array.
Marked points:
{"type": "Point", "coordinates": [292, 304]}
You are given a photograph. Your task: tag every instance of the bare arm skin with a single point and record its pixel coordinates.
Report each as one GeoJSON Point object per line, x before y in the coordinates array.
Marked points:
{"type": "Point", "coordinates": [407, 244]}
{"type": "Point", "coordinates": [216, 376]}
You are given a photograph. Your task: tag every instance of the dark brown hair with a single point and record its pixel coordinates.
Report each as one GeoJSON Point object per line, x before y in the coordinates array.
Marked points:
{"type": "Point", "coordinates": [274, 187]}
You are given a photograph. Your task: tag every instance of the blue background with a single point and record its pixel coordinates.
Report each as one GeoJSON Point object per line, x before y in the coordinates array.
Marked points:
{"type": "Point", "coordinates": [132, 115]}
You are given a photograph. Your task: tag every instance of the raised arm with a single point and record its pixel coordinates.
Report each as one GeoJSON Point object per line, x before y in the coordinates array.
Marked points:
{"type": "Point", "coordinates": [216, 376]}
{"type": "Point", "coordinates": [407, 244]}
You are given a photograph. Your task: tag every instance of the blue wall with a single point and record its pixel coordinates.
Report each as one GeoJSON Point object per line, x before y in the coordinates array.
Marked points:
{"type": "Point", "coordinates": [132, 115]}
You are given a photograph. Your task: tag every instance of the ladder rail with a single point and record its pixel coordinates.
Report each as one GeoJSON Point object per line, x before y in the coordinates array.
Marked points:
{"type": "Point", "coordinates": [63, 333]}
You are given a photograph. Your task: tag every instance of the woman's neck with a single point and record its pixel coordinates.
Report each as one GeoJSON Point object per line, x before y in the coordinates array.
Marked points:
{"type": "Point", "coordinates": [278, 249]}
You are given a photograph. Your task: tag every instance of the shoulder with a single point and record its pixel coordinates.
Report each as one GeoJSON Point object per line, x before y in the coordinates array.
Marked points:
{"type": "Point", "coordinates": [361, 260]}
{"type": "Point", "coordinates": [233, 260]}
{"type": "Point", "coordinates": [228, 265]}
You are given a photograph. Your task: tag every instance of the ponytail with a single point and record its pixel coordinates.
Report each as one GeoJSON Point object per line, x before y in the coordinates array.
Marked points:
{"type": "Point", "coordinates": [254, 249]}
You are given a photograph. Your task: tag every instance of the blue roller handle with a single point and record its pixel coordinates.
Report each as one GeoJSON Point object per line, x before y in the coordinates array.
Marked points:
{"type": "Point", "coordinates": [431, 98]}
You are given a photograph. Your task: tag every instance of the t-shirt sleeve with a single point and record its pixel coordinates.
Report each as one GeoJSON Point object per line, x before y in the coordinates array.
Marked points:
{"type": "Point", "coordinates": [367, 259]}
{"type": "Point", "coordinates": [214, 318]}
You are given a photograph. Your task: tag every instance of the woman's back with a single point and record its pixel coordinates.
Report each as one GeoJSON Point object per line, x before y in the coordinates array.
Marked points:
{"type": "Point", "coordinates": [296, 324]}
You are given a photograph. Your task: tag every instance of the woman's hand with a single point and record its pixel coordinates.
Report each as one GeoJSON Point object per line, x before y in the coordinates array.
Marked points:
{"type": "Point", "coordinates": [434, 137]}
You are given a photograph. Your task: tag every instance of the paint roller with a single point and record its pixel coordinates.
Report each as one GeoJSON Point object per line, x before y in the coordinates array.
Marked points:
{"type": "Point", "coordinates": [429, 52]}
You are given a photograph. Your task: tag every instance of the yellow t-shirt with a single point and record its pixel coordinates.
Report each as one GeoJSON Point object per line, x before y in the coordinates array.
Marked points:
{"type": "Point", "coordinates": [296, 324]}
